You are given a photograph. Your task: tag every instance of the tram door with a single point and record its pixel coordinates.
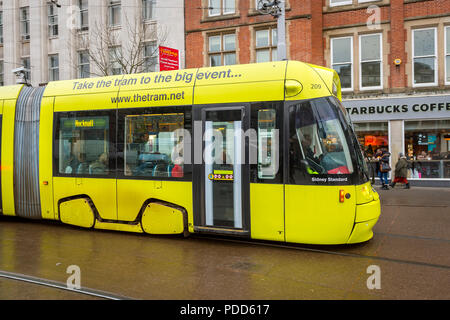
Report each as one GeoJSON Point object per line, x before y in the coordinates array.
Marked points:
{"type": "Point", "coordinates": [221, 182]}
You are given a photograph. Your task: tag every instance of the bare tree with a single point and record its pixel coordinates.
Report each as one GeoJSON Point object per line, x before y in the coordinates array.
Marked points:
{"type": "Point", "coordinates": [108, 55]}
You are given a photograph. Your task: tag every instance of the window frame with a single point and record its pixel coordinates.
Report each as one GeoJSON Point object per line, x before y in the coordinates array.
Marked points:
{"type": "Point", "coordinates": [83, 10]}
{"type": "Point", "coordinates": [222, 51]}
{"type": "Point", "coordinates": [151, 4]}
{"type": "Point", "coordinates": [222, 9]}
{"type": "Point", "coordinates": [435, 56]}
{"type": "Point", "coordinates": [447, 55]}
{"type": "Point", "coordinates": [52, 17]}
{"type": "Point", "coordinates": [112, 141]}
{"type": "Point", "coordinates": [271, 46]}
{"type": "Point", "coordinates": [114, 55]}
{"type": "Point", "coordinates": [112, 6]}
{"type": "Point", "coordinates": [343, 63]}
{"type": "Point", "coordinates": [1, 27]}
{"type": "Point", "coordinates": [80, 64]}
{"type": "Point", "coordinates": [25, 23]}
{"type": "Point", "coordinates": [52, 68]}
{"type": "Point", "coordinates": [340, 3]}
{"type": "Point", "coordinates": [380, 60]}
{"type": "Point", "coordinates": [187, 119]}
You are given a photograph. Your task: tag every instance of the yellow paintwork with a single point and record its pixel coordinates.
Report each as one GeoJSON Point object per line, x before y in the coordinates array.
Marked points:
{"type": "Point", "coordinates": [267, 211]}
{"type": "Point", "coordinates": [313, 214]}
{"type": "Point", "coordinates": [160, 219]}
{"type": "Point", "coordinates": [118, 226]}
{"type": "Point", "coordinates": [131, 195]}
{"type": "Point", "coordinates": [46, 158]}
{"type": "Point", "coordinates": [362, 231]}
{"type": "Point", "coordinates": [101, 191]}
{"type": "Point", "coordinates": [77, 212]}
{"type": "Point", "coordinates": [367, 211]}
{"type": "Point", "coordinates": [8, 95]}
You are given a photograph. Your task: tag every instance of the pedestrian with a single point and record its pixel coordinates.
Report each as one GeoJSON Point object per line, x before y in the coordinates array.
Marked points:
{"type": "Point", "coordinates": [384, 168]}
{"type": "Point", "coordinates": [401, 171]}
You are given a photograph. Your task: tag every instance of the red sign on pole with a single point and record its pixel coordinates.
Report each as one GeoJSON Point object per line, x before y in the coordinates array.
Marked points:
{"type": "Point", "coordinates": [168, 59]}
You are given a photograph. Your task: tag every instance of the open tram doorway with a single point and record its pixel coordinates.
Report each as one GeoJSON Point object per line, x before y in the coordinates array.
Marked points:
{"type": "Point", "coordinates": [221, 180]}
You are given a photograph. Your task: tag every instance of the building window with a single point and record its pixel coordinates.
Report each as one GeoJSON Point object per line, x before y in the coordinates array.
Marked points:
{"type": "Point", "coordinates": [52, 20]}
{"type": "Point", "coordinates": [342, 60]}
{"type": "Point", "coordinates": [53, 67]}
{"type": "Point", "coordinates": [222, 49]}
{"type": "Point", "coordinates": [221, 7]}
{"type": "Point", "coordinates": [84, 14]}
{"type": "Point", "coordinates": [150, 57]}
{"type": "Point", "coordinates": [447, 55]}
{"type": "Point", "coordinates": [266, 45]}
{"type": "Point", "coordinates": [427, 144]}
{"type": "Point", "coordinates": [115, 11]}
{"type": "Point", "coordinates": [27, 66]}
{"type": "Point", "coordinates": [335, 3]}
{"type": "Point", "coordinates": [115, 56]}
{"type": "Point", "coordinates": [371, 73]}
{"type": "Point", "coordinates": [2, 83]}
{"type": "Point", "coordinates": [424, 57]}
{"type": "Point", "coordinates": [148, 9]}
{"type": "Point", "coordinates": [25, 23]}
{"type": "Point", "coordinates": [83, 65]}
{"type": "Point", "coordinates": [1, 27]}
{"type": "Point", "coordinates": [372, 136]}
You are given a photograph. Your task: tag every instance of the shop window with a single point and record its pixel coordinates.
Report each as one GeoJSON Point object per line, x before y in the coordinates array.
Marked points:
{"type": "Point", "coordinates": [370, 61]}
{"type": "Point", "coordinates": [424, 57]}
{"type": "Point", "coordinates": [84, 144]}
{"type": "Point", "coordinates": [266, 45]}
{"type": "Point", "coordinates": [222, 50]}
{"type": "Point", "coordinates": [342, 60]}
{"type": "Point", "coordinates": [427, 145]}
{"type": "Point", "coordinates": [372, 136]}
{"type": "Point", "coordinates": [154, 144]}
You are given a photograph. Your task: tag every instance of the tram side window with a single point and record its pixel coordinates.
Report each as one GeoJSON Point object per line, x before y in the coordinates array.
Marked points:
{"type": "Point", "coordinates": [84, 145]}
{"type": "Point", "coordinates": [268, 144]}
{"type": "Point", "coordinates": [154, 145]}
{"type": "Point", "coordinates": [317, 143]}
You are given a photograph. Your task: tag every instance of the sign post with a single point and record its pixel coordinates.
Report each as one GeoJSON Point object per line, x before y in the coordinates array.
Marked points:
{"type": "Point", "coordinates": [168, 59]}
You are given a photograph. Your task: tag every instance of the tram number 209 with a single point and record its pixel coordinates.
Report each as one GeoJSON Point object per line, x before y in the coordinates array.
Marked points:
{"type": "Point", "coordinates": [242, 309]}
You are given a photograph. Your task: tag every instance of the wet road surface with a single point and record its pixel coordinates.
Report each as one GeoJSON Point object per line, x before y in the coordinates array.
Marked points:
{"type": "Point", "coordinates": [411, 248]}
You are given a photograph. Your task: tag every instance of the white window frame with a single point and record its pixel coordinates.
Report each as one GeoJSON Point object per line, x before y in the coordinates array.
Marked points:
{"type": "Point", "coordinates": [151, 3]}
{"type": "Point", "coordinates": [25, 23]}
{"type": "Point", "coordinates": [1, 27]}
{"type": "Point", "coordinates": [365, 1]}
{"type": "Point", "coordinates": [51, 68]}
{"type": "Point", "coordinates": [447, 54]}
{"type": "Point", "coordinates": [341, 3]}
{"type": "Point", "coordinates": [52, 16]}
{"type": "Point", "coordinates": [339, 63]}
{"type": "Point", "coordinates": [222, 9]}
{"type": "Point", "coordinates": [83, 10]}
{"type": "Point", "coordinates": [112, 6]}
{"type": "Point", "coordinates": [435, 56]}
{"type": "Point", "coordinates": [81, 64]}
{"type": "Point", "coordinates": [380, 61]}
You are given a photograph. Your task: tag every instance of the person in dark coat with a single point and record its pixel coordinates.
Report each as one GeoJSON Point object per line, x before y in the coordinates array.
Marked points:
{"type": "Point", "coordinates": [401, 171]}
{"type": "Point", "coordinates": [383, 175]}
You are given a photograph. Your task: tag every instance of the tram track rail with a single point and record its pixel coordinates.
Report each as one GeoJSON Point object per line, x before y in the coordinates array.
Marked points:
{"type": "Point", "coordinates": [316, 249]}
{"type": "Point", "coordinates": [60, 286]}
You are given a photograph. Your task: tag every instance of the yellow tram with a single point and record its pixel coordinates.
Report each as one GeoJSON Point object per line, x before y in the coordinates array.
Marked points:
{"type": "Point", "coordinates": [261, 151]}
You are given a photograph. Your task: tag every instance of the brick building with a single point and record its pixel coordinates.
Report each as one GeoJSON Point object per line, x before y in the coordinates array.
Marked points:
{"type": "Point", "coordinates": [393, 58]}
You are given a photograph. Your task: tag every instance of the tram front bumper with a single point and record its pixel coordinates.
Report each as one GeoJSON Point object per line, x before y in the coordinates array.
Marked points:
{"type": "Point", "coordinates": [366, 217]}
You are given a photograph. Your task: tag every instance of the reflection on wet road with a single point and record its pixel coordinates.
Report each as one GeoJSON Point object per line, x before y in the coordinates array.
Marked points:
{"type": "Point", "coordinates": [412, 240]}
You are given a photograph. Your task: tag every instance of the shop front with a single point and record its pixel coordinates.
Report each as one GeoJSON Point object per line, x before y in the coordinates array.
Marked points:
{"type": "Point", "coordinates": [418, 126]}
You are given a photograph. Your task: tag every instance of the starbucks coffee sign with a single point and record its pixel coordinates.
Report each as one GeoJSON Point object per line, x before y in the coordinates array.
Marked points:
{"type": "Point", "coordinates": [405, 108]}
